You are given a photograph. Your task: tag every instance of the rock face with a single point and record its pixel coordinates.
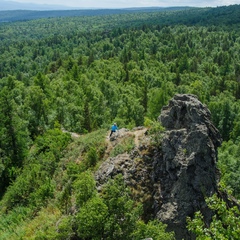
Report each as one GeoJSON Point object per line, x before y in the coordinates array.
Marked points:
{"type": "Point", "coordinates": [173, 177]}
{"type": "Point", "coordinates": [186, 166]}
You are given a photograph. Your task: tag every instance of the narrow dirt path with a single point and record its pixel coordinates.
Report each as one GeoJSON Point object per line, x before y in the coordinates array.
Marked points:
{"type": "Point", "coordinates": [73, 134]}
{"type": "Point", "coordinates": [138, 135]}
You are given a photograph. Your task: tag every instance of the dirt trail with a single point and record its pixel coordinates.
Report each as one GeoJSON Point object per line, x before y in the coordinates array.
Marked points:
{"type": "Point", "coordinates": [138, 134]}
{"type": "Point", "coordinates": [73, 134]}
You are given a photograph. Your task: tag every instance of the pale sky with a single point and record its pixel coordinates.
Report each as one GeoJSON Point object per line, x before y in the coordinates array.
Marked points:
{"type": "Point", "coordinates": [132, 3]}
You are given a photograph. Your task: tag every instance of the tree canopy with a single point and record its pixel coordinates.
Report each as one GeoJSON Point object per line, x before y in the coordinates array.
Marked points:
{"type": "Point", "coordinates": [79, 74]}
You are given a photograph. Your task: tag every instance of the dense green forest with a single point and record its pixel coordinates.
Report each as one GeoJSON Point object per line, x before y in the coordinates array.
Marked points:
{"type": "Point", "coordinates": [81, 74]}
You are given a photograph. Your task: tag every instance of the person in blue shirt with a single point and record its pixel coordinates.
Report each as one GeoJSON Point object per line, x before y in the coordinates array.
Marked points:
{"type": "Point", "coordinates": [114, 128]}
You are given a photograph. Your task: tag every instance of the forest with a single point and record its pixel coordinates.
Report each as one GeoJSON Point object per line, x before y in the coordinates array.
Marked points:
{"type": "Point", "coordinates": [82, 74]}
{"type": "Point", "coordinates": [24, 15]}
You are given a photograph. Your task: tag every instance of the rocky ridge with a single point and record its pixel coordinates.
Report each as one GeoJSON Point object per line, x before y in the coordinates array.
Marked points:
{"type": "Point", "coordinates": [173, 173]}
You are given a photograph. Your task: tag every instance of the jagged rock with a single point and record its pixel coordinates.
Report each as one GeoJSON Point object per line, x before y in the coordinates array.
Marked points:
{"type": "Point", "coordinates": [114, 166]}
{"type": "Point", "coordinates": [173, 179]}
{"type": "Point", "coordinates": [186, 166]}
{"type": "Point", "coordinates": [185, 111]}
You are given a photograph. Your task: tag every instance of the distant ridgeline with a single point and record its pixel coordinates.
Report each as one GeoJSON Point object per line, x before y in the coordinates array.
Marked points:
{"type": "Point", "coordinates": [24, 15]}
{"type": "Point", "coordinates": [176, 15]}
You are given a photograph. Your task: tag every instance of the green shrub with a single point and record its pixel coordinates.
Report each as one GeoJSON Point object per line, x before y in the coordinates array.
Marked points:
{"type": "Point", "coordinates": [85, 188]}
{"type": "Point", "coordinates": [153, 229]}
{"type": "Point", "coordinates": [32, 188]}
{"type": "Point", "coordinates": [74, 169]}
{"type": "Point", "coordinates": [225, 223]}
{"type": "Point", "coordinates": [92, 157]}
{"type": "Point", "coordinates": [124, 146]}
{"type": "Point", "coordinates": [42, 193]}
{"type": "Point", "coordinates": [64, 228]}
{"type": "Point", "coordinates": [156, 130]}
{"type": "Point", "coordinates": [229, 164]}
{"type": "Point", "coordinates": [123, 213]}
{"type": "Point", "coordinates": [93, 139]}
{"type": "Point", "coordinates": [11, 224]}
{"type": "Point", "coordinates": [155, 127]}
{"type": "Point", "coordinates": [44, 225]}
{"type": "Point", "coordinates": [91, 219]}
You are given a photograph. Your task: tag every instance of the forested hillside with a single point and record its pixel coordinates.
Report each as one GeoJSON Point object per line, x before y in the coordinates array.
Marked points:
{"type": "Point", "coordinates": [24, 15]}
{"type": "Point", "coordinates": [82, 74]}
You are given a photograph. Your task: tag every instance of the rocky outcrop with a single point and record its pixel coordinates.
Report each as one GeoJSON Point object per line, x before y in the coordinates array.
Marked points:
{"type": "Point", "coordinates": [172, 177]}
{"type": "Point", "coordinates": [186, 166]}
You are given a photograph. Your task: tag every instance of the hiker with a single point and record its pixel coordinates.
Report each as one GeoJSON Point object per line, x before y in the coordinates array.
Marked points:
{"type": "Point", "coordinates": [114, 128]}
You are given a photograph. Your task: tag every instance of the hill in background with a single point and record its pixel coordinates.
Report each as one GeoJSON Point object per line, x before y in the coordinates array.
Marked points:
{"type": "Point", "coordinates": [13, 11]}
{"type": "Point", "coordinates": [173, 15]}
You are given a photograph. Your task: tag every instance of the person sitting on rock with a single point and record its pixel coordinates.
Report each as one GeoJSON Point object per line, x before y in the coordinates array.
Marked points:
{"type": "Point", "coordinates": [114, 128]}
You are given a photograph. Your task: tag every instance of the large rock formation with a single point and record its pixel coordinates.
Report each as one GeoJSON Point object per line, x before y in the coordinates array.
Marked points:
{"type": "Point", "coordinates": [186, 166]}
{"type": "Point", "coordinates": [173, 177]}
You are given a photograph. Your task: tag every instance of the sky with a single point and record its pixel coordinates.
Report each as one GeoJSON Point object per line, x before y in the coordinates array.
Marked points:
{"type": "Point", "coordinates": [132, 3]}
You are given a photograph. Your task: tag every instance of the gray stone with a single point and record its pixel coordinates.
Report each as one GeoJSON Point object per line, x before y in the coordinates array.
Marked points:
{"type": "Point", "coordinates": [173, 179]}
